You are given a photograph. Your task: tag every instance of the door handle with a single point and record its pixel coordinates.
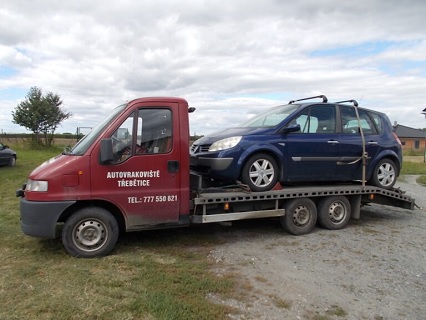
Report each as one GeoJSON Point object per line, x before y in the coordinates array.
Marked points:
{"type": "Point", "coordinates": [332, 141]}
{"type": "Point", "coordinates": [373, 142]}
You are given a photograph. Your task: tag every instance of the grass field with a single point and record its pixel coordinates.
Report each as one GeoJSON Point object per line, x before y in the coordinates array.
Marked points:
{"type": "Point", "coordinates": [415, 165]}
{"type": "Point", "coordinates": [150, 275]}
{"type": "Point", "coordinates": [161, 274]}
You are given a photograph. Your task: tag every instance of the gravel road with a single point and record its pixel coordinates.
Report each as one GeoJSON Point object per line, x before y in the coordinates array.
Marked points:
{"type": "Point", "coordinates": [375, 268]}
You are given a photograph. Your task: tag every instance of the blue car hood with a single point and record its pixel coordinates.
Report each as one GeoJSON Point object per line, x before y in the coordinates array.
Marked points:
{"type": "Point", "coordinates": [232, 132]}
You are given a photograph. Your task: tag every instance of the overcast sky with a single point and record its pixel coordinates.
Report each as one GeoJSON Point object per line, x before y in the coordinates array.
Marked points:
{"type": "Point", "coordinates": [229, 59]}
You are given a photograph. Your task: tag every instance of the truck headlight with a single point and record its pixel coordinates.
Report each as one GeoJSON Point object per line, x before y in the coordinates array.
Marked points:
{"type": "Point", "coordinates": [225, 143]}
{"type": "Point", "coordinates": [37, 186]}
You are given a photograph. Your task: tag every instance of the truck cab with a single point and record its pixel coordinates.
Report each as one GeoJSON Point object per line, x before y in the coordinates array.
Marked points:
{"type": "Point", "coordinates": [131, 172]}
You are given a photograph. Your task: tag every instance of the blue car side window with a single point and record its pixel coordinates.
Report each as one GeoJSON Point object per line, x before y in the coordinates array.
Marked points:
{"type": "Point", "coordinates": [351, 124]}
{"type": "Point", "coordinates": [317, 119]}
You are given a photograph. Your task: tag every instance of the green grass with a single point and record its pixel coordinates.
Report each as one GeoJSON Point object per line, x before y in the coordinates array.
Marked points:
{"type": "Point", "coordinates": [415, 165]}
{"type": "Point", "coordinates": [418, 153]}
{"type": "Point", "coordinates": [422, 180]}
{"type": "Point", "coordinates": [413, 168]}
{"type": "Point", "coordinates": [161, 274]}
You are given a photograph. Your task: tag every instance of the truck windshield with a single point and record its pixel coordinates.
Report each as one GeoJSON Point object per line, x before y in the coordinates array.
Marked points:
{"type": "Point", "coordinates": [271, 117]}
{"type": "Point", "coordinates": [81, 147]}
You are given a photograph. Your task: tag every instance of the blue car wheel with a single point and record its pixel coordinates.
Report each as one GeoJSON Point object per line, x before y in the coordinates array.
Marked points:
{"type": "Point", "coordinates": [260, 172]}
{"type": "Point", "coordinates": [385, 174]}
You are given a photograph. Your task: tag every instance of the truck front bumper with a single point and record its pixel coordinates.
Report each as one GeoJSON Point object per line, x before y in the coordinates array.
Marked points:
{"type": "Point", "coordinates": [39, 219]}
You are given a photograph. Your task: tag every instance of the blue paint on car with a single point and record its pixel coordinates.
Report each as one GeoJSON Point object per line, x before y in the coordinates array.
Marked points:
{"type": "Point", "coordinates": [303, 142]}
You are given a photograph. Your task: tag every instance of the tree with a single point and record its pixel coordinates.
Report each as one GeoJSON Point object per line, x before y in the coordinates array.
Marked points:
{"type": "Point", "coordinates": [40, 114]}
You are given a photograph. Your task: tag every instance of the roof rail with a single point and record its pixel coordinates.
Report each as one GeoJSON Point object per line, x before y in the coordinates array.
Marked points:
{"type": "Point", "coordinates": [355, 103]}
{"type": "Point", "coordinates": [323, 97]}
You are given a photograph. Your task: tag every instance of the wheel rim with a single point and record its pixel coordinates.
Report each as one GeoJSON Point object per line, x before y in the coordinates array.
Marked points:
{"type": "Point", "coordinates": [337, 212]}
{"type": "Point", "coordinates": [261, 173]}
{"type": "Point", "coordinates": [386, 174]}
{"type": "Point", "coordinates": [301, 216]}
{"type": "Point", "coordinates": [12, 161]}
{"type": "Point", "coordinates": [90, 235]}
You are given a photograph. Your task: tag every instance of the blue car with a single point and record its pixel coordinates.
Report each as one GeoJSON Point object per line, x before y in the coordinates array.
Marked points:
{"type": "Point", "coordinates": [303, 142]}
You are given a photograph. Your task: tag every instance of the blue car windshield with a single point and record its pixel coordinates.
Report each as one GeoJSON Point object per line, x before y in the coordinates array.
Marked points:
{"type": "Point", "coordinates": [271, 117]}
{"type": "Point", "coordinates": [81, 147]}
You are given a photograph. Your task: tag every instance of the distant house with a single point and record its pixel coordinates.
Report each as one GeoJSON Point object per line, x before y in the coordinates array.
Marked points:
{"type": "Point", "coordinates": [411, 139]}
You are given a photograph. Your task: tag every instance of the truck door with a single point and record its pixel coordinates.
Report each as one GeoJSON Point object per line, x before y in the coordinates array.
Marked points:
{"type": "Point", "coordinates": [144, 178]}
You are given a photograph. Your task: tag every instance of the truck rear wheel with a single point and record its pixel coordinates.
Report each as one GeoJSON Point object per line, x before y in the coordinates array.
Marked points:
{"type": "Point", "coordinates": [300, 216]}
{"type": "Point", "coordinates": [90, 232]}
{"type": "Point", "coordinates": [334, 212]}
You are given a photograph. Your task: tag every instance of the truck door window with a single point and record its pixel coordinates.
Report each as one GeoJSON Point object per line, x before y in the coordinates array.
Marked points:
{"type": "Point", "coordinates": [155, 131]}
{"type": "Point", "coordinates": [151, 133]}
{"type": "Point", "coordinates": [122, 140]}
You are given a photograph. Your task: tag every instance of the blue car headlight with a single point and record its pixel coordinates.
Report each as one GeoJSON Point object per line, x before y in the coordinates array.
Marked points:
{"type": "Point", "coordinates": [224, 144]}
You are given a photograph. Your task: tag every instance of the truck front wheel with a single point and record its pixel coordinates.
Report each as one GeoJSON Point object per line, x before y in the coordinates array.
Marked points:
{"type": "Point", "coordinates": [90, 232]}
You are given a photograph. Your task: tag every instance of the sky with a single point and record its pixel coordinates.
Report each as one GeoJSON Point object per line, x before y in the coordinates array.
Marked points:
{"type": "Point", "coordinates": [230, 59]}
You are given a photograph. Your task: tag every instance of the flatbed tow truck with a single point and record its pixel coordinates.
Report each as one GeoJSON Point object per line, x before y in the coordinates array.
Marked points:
{"type": "Point", "coordinates": [132, 173]}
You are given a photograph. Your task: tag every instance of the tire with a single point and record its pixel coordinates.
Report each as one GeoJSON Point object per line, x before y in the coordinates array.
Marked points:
{"type": "Point", "coordinates": [334, 212]}
{"type": "Point", "coordinates": [300, 216]}
{"type": "Point", "coordinates": [260, 172]}
{"type": "Point", "coordinates": [12, 161]}
{"type": "Point", "coordinates": [384, 174]}
{"type": "Point", "coordinates": [90, 232]}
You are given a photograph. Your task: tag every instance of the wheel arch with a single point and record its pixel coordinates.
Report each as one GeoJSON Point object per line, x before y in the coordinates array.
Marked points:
{"type": "Point", "coordinates": [267, 149]}
{"type": "Point", "coordinates": [385, 155]}
{"type": "Point", "coordinates": [113, 209]}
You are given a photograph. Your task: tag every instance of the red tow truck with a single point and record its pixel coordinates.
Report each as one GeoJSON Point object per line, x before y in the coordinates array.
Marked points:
{"type": "Point", "coordinates": [132, 172]}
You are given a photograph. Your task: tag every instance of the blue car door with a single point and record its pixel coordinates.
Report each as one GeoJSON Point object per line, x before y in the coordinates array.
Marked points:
{"type": "Point", "coordinates": [312, 153]}
{"type": "Point", "coordinates": [351, 150]}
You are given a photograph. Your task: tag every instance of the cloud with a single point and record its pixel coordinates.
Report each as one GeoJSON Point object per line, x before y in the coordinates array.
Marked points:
{"type": "Point", "coordinates": [226, 58]}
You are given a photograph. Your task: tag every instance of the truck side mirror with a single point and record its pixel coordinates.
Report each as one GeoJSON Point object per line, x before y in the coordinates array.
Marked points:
{"type": "Point", "coordinates": [106, 155]}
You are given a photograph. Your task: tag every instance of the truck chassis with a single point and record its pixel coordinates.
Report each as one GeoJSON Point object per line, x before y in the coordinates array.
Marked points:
{"type": "Point", "coordinates": [298, 208]}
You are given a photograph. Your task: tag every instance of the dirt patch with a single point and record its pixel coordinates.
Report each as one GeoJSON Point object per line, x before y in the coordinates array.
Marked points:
{"type": "Point", "coordinates": [373, 269]}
